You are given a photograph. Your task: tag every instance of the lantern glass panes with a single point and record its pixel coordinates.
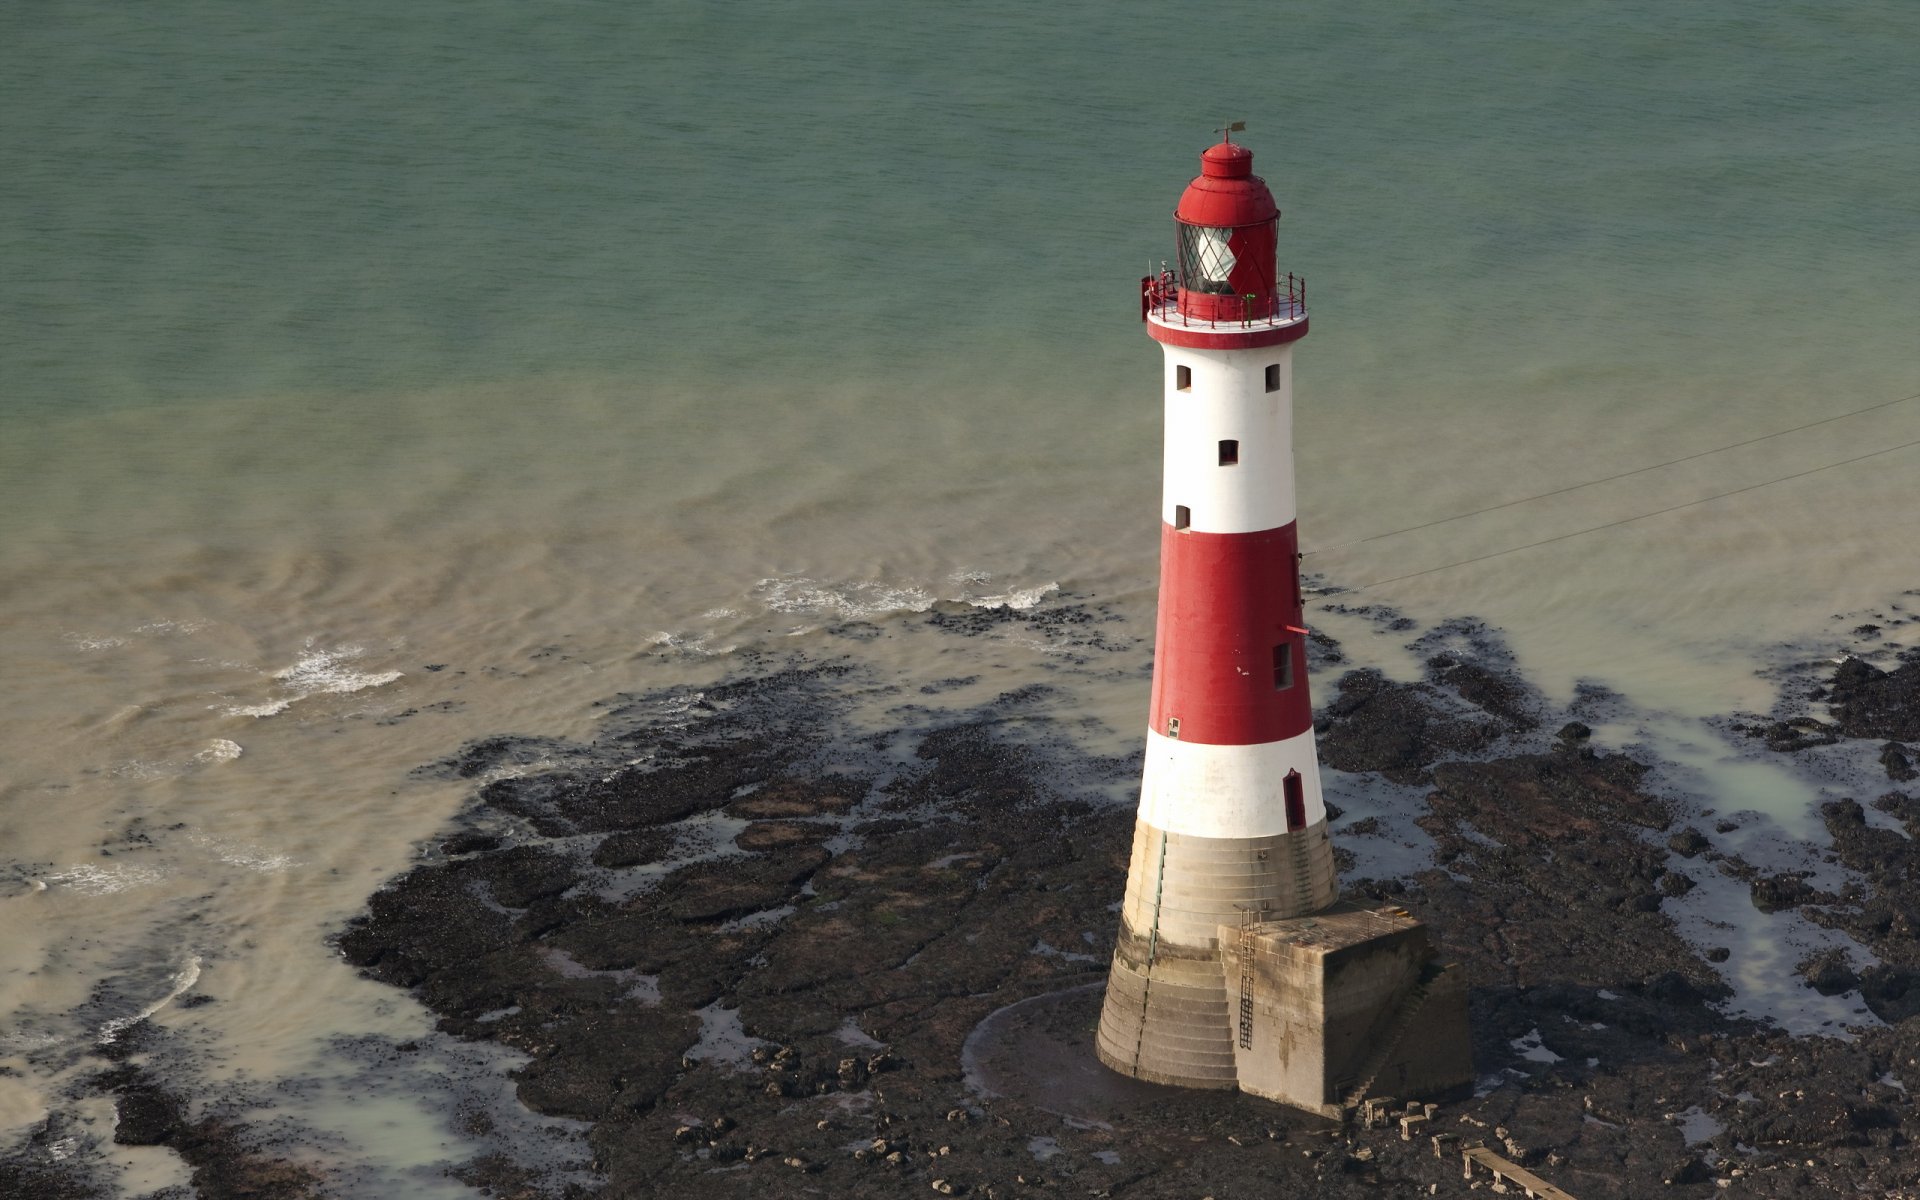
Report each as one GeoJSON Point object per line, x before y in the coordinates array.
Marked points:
{"type": "Point", "coordinates": [1206, 261]}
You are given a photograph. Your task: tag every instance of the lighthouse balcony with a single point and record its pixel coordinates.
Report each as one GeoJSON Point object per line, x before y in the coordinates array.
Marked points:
{"type": "Point", "coordinates": [1200, 306]}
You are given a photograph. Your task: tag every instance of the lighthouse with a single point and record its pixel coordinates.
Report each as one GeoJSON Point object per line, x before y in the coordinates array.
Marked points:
{"type": "Point", "coordinates": [1235, 965]}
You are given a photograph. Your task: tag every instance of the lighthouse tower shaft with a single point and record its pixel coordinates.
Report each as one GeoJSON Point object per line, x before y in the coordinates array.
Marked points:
{"type": "Point", "coordinates": [1232, 828]}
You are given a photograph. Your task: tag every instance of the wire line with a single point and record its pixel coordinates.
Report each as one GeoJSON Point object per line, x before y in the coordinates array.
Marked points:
{"type": "Point", "coordinates": [1643, 516]}
{"type": "Point", "coordinates": [1610, 478]}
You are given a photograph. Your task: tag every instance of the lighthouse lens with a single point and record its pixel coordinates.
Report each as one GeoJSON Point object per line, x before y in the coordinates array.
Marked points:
{"type": "Point", "coordinates": [1206, 257]}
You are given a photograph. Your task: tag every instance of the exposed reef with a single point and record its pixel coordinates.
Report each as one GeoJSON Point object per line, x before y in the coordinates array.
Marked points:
{"type": "Point", "coordinates": [746, 939]}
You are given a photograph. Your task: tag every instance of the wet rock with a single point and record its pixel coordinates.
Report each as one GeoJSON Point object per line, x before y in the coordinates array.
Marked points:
{"type": "Point", "coordinates": [1499, 693]}
{"type": "Point", "coordinates": [633, 847]}
{"type": "Point", "coordinates": [1688, 842]}
{"type": "Point", "coordinates": [1687, 1171]}
{"type": "Point", "coordinates": [1867, 702]}
{"type": "Point", "coordinates": [1772, 893]}
{"type": "Point", "coordinates": [1575, 731]}
{"type": "Point", "coordinates": [1898, 760]}
{"type": "Point", "coordinates": [1828, 973]}
{"type": "Point", "coordinates": [1376, 724]}
{"type": "Point", "coordinates": [778, 835]}
{"type": "Point", "coordinates": [517, 877]}
{"type": "Point", "coordinates": [714, 891]}
{"type": "Point", "coordinates": [1799, 734]}
{"type": "Point", "coordinates": [145, 1115]}
{"type": "Point", "coordinates": [1891, 992]}
{"type": "Point", "coordinates": [787, 798]}
{"type": "Point", "coordinates": [469, 843]}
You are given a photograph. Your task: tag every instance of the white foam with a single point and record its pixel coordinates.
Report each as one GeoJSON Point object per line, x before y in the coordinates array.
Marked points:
{"type": "Point", "coordinates": [1018, 599]}
{"type": "Point", "coordinates": [183, 979]}
{"type": "Point", "coordinates": [317, 672]}
{"type": "Point", "coordinates": [867, 598]}
{"type": "Point", "coordinates": [325, 671]}
{"type": "Point", "coordinates": [104, 881]}
{"type": "Point", "coordinates": [219, 750]}
{"type": "Point", "coordinates": [252, 858]}
{"type": "Point", "coordinates": [169, 628]}
{"type": "Point", "coordinates": [82, 641]}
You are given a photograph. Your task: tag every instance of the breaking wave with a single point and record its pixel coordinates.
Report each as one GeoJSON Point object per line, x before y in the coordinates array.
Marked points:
{"type": "Point", "coordinates": [317, 672]}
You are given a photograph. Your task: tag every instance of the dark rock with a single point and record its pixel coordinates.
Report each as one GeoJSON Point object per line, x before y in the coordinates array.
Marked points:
{"type": "Point", "coordinates": [713, 891]}
{"type": "Point", "coordinates": [1688, 842]}
{"type": "Point", "coordinates": [1867, 702]}
{"type": "Point", "coordinates": [1798, 734]}
{"type": "Point", "coordinates": [1718, 954]}
{"type": "Point", "coordinates": [1687, 1171]}
{"type": "Point", "coordinates": [146, 1116]}
{"type": "Point", "coordinates": [469, 843]}
{"type": "Point", "coordinates": [1829, 973]}
{"type": "Point", "coordinates": [1891, 992]}
{"type": "Point", "coordinates": [1898, 761]}
{"type": "Point", "coordinates": [632, 847]}
{"type": "Point", "coordinates": [776, 835]}
{"type": "Point", "coordinates": [1671, 987]}
{"type": "Point", "coordinates": [1771, 893]}
{"type": "Point", "coordinates": [1375, 724]}
{"type": "Point", "coordinates": [785, 798]}
{"type": "Point", "coordinates": [1575, 731]}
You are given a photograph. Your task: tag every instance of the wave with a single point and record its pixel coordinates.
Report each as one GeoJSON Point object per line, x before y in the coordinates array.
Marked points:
{"type": "Point", "coordinates": [183, 979]}
{"type": "Point", "coordinates": [800, 594]}
{"type": "Point", "coordinates": [317, 672]}
{"type": "Point", "coordinates": [92, 880]}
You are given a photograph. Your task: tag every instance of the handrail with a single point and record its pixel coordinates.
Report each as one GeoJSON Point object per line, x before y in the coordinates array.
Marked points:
{"type": "Point", "coordinates": [1284, 305]}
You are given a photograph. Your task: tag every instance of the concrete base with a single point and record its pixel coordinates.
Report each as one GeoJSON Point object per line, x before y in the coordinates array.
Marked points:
{"type": "Point", "coordinates": [1166, 1018]}
{"type": "Point", "coordinates": [1342, 1004]}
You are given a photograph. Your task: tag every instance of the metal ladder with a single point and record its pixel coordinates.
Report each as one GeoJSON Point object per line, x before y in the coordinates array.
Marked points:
{"type": "Point", "coordinates": [1247, 919]}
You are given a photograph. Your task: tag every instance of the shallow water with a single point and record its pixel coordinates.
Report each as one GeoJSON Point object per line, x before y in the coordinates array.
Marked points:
{"type": "Point", "coordinates": [372, 381]}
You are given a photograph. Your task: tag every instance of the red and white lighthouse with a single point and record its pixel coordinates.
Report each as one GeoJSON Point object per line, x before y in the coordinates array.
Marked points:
{"type": "Point", "coordinates": [1231, 827]}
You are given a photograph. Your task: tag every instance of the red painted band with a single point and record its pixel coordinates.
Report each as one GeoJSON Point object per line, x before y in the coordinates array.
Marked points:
{"type": "Point", "coordinates": [1227, 601]}
{"type": "Point", "coordinates": [1233, 339]}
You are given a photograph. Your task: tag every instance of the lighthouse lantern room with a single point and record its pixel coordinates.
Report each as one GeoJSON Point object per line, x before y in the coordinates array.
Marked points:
{"type": "Point", "coordinates": [1220, 975]}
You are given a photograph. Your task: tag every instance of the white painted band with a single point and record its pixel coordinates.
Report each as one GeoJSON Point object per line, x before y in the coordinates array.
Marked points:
{"type": "Point", "coordinates": [1227, 399]}
{"type": "Point", "coordinates": [1226, 791]}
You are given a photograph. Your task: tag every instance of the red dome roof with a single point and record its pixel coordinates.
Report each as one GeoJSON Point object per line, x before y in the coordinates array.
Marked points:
{"type": "Point", "coordinates": [1227, 193]}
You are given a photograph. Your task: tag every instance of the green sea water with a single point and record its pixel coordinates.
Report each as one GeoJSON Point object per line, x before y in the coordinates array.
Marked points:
{"type": "Point", "coordinates": [336, 340]}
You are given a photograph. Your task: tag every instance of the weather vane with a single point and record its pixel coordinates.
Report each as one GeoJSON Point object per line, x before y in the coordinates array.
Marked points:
{"type": "Point", "coordinates": [1226, 133]}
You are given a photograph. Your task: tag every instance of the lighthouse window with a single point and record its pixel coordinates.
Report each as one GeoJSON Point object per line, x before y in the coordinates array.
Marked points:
{"type": "Point", "coordinates": [1229, 451]}
{"type": "Point", "coordinates": [1182, 516]}
{"type": "Point", "coordinates": [1273, 377]}
{"type": "Point", "coordinates": [1283, 666]}
{"type": "Point", "coordinates": [1293, 788]}
{"type": "Point", "coordinates": [1183, 378]}
{"type": "Point", "coordinates": [1207, 258]}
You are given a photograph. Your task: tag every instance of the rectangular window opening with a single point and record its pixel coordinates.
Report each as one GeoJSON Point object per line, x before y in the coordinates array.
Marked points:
{"type": "Point", "coordinates": [1273, 377]}
{"type": "Point", "coordinates": [1182, 516]}
{"type": "Point", "coordinates": [1183, 378]}
{"type": "Point", "coordinates": [1283, 666]}
{"type": "Point", "coordinates": [1229, 451]}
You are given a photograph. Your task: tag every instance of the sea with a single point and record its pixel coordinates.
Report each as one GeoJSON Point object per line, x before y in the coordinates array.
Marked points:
{"type": "Point", "coordinates": [376, 377]}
